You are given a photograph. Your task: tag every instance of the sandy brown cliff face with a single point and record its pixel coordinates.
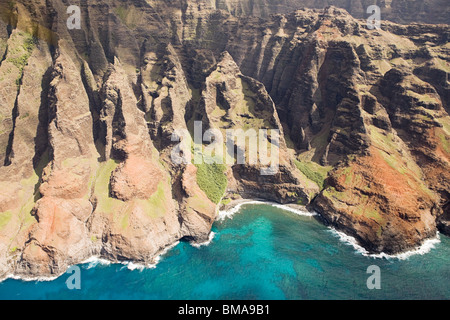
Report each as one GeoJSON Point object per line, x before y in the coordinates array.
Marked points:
{"type": "Point", "coordinates": [87, 118]}
{"type": "Point", "coordinates": [412, 11]}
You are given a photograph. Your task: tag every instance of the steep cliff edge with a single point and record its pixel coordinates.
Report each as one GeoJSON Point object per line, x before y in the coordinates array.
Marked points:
{"type": "Point", "coordinates": [412, 11]}
{"type": "Point", "coordinates": [87, 119]}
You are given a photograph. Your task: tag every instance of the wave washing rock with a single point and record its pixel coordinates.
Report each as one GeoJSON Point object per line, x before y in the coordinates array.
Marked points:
{"type": "Point", "coordinates": [87, 117]}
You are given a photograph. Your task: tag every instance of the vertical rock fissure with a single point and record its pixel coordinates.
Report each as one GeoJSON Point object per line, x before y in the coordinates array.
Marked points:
{"type": "Point", "coordinates": [118, 129]}
{"type": "Point", "coordinates": [4, 55]}
{"type": "Point", "coordinates": [9, 154]}
{"type": "Point", "coordinates": [41, 138]}
{"type": "Point", "coordinates": [94, 106]}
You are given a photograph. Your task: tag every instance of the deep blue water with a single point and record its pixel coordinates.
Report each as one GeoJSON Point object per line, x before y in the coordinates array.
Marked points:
{"type": "Point", "coordinates": [263, 252]}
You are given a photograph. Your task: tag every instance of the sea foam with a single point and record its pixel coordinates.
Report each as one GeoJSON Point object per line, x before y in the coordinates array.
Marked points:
{"type": "Point", "coordinates": [94, 261]}
{"type": "Point", "coordinates": [426, 247]}
{"type": "Point", "coordinates": [228, 214]}
{"type": "Point", "coordinates": [349, 240]}
{"type": "Point", "coordinates": [38, 279]}
{"type": "Point", "coordinates": [130, 265]}
{"type": "Point", "coordinates": [205, 243]}
{"type": "Point", "coordinates": [299, 212]}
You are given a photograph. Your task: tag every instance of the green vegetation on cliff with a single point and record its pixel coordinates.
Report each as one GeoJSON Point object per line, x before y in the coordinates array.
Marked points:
{"type": "Point", "coordinates": [313, 172]}
{"type": "Point", "coordinates": [102, 184]}
{"type": "Point", "coordinates": [4, 218]}
{"type": "Point", "coordinates": [212, 180]}
{"type": "Point", "coordinates": [22, 53]}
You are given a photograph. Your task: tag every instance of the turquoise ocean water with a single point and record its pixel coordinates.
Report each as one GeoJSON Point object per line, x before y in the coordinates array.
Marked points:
{"type": "Point", "coordinates": [261, 252]}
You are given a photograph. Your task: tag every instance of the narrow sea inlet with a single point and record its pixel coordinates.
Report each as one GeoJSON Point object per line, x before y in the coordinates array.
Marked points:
{"type": "Point", "coordinates": [260, 252]}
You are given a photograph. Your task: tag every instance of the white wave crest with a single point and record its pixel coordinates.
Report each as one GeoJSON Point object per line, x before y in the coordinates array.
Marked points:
{"type": "Point", "coordinates": [130, 265]}
{"type": "Point", "coordinates": [205, 243]}
{"type": "Point", "coordinates": [426, 247]}
{"type": "Point", "coordinates": [94, 261]}
{"type": "Point", "coordinates": [25, 278]}
{"type": "Point", "coordinates": [136, 266]}
{"type": "Point", "coordinates": [299, 212]}
{"type": "Point", "coordinates": [228, 214]}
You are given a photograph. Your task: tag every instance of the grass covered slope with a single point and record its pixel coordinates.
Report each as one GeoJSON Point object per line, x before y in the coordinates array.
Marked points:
{"type": "Point", "coordinates": [212, 180]}
{"type": "Point", "coordinates": [313, 172]}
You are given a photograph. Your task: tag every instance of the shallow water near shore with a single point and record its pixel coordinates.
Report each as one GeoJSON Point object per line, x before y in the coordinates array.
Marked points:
{"type": "Point", "coordinates": [260, 252]}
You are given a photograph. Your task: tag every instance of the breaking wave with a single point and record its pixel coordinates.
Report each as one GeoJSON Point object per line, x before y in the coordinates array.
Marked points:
{"type": "Point", "coordinates": [205, 243]}
{"type": "Point", "coordinates": [420, 250]}
{"type": "Point", "coordinates": [228, 214]}
{"type": "Point", "coordinates": [38, 279]}
{"type": "Point", "coordinates": [130, 265]}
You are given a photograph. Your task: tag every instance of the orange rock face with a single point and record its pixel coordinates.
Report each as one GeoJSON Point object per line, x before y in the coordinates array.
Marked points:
{"type": "Point", "coordinates": [387, 209]}
{"type": "Point", "coordinates": [135, 178]}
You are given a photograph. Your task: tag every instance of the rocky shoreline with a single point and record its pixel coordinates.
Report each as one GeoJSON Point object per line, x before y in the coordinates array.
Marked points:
{"type": "Point", "coordinates": [348, 236]}
{"type": "Point", "coordinates": [226, 211]}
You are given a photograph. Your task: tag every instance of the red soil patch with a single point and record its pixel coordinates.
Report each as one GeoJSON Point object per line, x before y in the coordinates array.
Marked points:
{"type": "Point", "coordinates": [136, 178]}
